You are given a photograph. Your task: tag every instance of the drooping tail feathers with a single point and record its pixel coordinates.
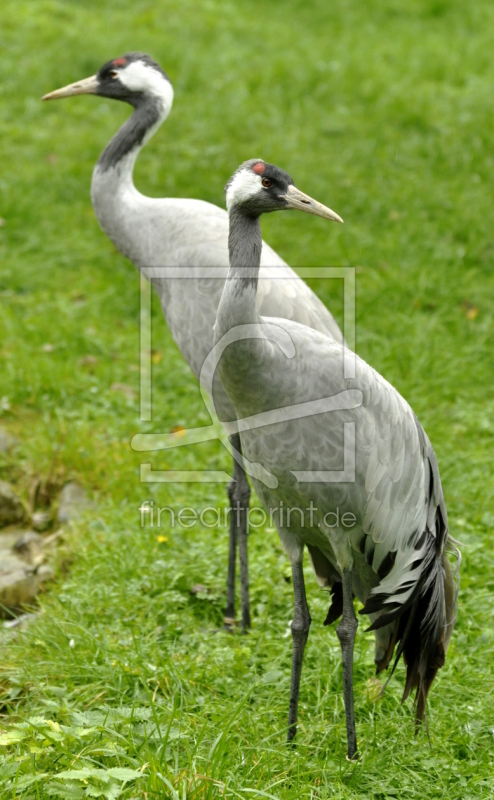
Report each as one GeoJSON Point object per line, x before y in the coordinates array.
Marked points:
{"type": "Point", "coordinates": [425, 630]}
{"type": "Point", "coordinates": [423, 626]}
{"type": "Point", "coordinates": [424, 621]}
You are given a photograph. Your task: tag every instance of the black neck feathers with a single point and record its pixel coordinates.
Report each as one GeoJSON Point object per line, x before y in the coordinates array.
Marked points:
{"type": "Point", "coordinates": [132, 133]}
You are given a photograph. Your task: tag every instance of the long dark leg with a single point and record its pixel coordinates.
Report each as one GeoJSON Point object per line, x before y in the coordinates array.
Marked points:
{"type": "Point", "coordinates": [244, 497]}
{"type": "Point", "coordinates": [300, 631]}
{"type": "Point", "coordinates": [346, 631]}
{"type": "Point", "coordinates": [232, 559]}
{"type": "Point", "coordinates": [239, 496]}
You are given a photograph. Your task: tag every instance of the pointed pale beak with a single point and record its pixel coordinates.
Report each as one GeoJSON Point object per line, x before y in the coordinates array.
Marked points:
{"type": "Point", "coordinates": [87, 86]}
{"type": "Point", "coordinates": [302, 202]}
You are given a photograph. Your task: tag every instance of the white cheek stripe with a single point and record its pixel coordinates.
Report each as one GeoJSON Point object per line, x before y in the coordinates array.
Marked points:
{"type": "Point", "coordinates": [244, 185]}
{"type": "Point", "coordinates": [138, 77]}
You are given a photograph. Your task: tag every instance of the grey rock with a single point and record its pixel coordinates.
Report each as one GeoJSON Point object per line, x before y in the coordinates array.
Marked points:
{"type": "Point", "coordinates": [11, 508]}
{"type": "Point", "coordinates": [10, 562]}
{"type": "Point", "coordinates": [8, 539]}
{"type": "Point", "coordinates": [21, 622]}
{"type": "Point", "coordinates": [18, 586]}
{"type": "Point", "coordinates": [22, 570]}
{"type": "Point", "coordinates": [41, 520]}
{"type": "Point", "coordinates": [73, 502]}
{"type": "Point", "coordinates": [45, 573]}
{"type": "Point", "coordinates": [30, 548]}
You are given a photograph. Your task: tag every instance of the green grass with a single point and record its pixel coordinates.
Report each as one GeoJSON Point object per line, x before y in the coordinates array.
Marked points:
{"type": "Point", "coordinates": [383, 111]}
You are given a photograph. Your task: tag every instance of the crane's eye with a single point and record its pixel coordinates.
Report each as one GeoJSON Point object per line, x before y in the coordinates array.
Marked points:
{"type": "Point", "coordinates": [266, 183]}
{"type": "Point", "coordinates": [113, 73]}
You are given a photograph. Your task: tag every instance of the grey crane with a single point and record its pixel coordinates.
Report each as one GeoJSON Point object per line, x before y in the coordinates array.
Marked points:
{"type": "Point", "coordinates": [301, 419]}
{"type": "Point", "coordinates": [181, 245]}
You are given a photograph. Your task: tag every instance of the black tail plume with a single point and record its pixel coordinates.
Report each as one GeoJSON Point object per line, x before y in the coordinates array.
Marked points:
{"type": "Point", "coordinates": [425, 624]}
{"type": "Point", "coordinates": [423, 640]}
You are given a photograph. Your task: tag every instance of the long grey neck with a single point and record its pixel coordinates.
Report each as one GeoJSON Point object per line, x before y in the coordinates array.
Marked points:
{"type": "Point", "coordinates": [113, 193]}
{"type": "Point", "coordinates": [244, 244]}
{"type": "Point", "coordinates": [238, 307]}
{"type": "Point", "coordinates": [133, 135]}
{"type": "Point", "coordinates": [238, 301]}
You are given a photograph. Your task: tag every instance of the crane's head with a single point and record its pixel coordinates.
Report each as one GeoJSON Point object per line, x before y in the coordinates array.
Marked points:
{"type": "Point", "coordinates": [257, 188]}
{"type": "Point", "coordinates": [132, 78]}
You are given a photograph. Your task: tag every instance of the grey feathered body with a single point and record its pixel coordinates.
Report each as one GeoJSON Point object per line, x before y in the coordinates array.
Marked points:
{"type": "Point", "coordinates": [393, 454]}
